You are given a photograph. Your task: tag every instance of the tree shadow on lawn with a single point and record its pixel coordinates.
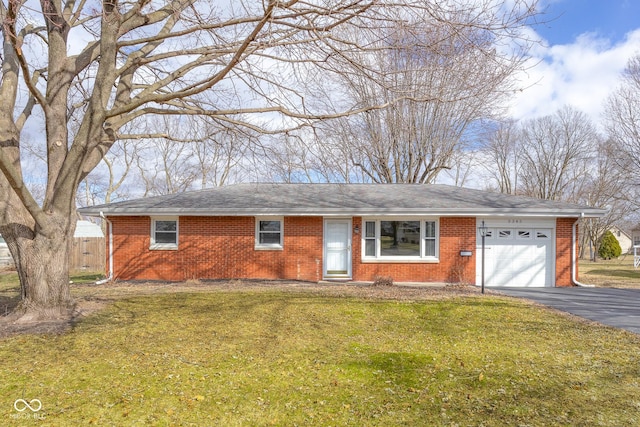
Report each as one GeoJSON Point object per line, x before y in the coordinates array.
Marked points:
{"type": "Point", "coordinates": [90, 298]}
{"type": "Point", "coordinates": [615, 273]}
{"type": "Point", "coordinates": [10, 326]}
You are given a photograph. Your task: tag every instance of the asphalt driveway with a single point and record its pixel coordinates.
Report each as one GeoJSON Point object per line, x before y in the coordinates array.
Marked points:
{"type": "Point", "coordinates": [614, 307]}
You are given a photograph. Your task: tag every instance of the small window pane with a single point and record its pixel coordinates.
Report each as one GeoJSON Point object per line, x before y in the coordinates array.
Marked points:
{"type": "Point", "coordinates": [166, 226]}
{"type": "Point", "coordinates": [270, 238]}
{"type": "Point", "coordinates": [370, 247]}
{"type": "Point", "coordinates": [166, 232]}
{"type": "Point", "coordinates": [503, 234]}
{"type": "Point", "coordinates": [269, 225]}
{"type": "Point", "coordinates": [370, 229]}
{"type": "Point", "coordinates": [524, 234]}
{"type": "Point", "coordinates": [541, 234]}
{"type": "Point", "coordinates": [430, 248]}
{"type": "Point", "coordinates": [430, 230]}
{"type": "Point", "coordinates": [269, 233]}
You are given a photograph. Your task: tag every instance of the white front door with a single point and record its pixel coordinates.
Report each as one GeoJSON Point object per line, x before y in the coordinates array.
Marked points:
{"type": "Point", "coordinates": [337, 248]}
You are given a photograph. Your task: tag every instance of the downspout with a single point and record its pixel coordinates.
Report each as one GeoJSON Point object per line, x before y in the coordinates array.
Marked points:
{"type": "Point", "coordinates": [110, 233]}
{"type": "Point", "coordinates": [574, 255]}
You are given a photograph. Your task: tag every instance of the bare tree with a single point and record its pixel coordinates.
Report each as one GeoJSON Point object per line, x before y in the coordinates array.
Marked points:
{"type": "Point", "coordinates": [500, 150]}
{"type": "Point", "coordinates": [302, 157]}
{"type": "Point", "coordinates": [463, 165]}
{"type": "Point", "coordinates": [622, 119]}
{"type": "Point", "coordinates": [219, 155]}
{"type": "Point", "coordinates": [166, 167]}
{"type": "Point", "coordinates": [116, 63]}
{"type": "Point", "coordinates": [604, 186]}
{"type": "Point", "coordinates": [448, 78]}
{"type": "Point", "coordinates": [106, 183]}
{"type": "Point", "coordinates": [555, 153]}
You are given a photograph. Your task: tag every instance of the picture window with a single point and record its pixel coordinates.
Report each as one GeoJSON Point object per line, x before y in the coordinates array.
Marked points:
{"type": "Point", "coordinates": [400, 239]}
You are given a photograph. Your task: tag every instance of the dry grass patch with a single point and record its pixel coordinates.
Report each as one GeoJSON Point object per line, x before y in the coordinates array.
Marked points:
{"type": "Point", "coordinates": [615, 273]}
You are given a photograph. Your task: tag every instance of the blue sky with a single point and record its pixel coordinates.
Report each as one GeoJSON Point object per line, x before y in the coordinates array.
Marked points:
{"type": "Point", "coordinates": [610, 19]}
{"type": "Point", "coordinates": [585, 45]}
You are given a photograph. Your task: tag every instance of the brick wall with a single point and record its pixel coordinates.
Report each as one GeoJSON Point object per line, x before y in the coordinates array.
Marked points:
{"type": "Point", "coordinates": [223, 248]}
{"type": "Point", "coordinates": [217, 248]}
{"type": "Point", "coordinates": [564, 234]}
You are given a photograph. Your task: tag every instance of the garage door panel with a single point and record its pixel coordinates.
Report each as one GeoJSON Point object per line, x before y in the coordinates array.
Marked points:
{"type": "Point", "coordinates": [518, 257]}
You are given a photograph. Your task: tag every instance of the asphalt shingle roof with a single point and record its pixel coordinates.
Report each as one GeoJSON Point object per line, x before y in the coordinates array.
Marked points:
{"type": "Point", "coordinates": [341, 199]}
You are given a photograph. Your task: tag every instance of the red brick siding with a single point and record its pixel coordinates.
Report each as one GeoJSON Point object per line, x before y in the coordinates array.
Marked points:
{"type": "Point", "coordinates": [217, 248]}
{"type": "Point", "coordinates": [223, 248]}
{"type": "Point", "coordinates": [564, 234]}
{"type": "Point", "coordinates": [456, 234]}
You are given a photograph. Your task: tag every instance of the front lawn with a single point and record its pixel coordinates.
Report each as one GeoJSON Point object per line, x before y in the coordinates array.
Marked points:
{"type": "Point", "coordinates": [296, 357]}
{"type": "Point", "coordinates": [616, 273]}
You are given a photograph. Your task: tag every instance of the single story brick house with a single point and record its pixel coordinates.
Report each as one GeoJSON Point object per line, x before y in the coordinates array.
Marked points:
{"type": "Point", "coordinates": [349, 232]}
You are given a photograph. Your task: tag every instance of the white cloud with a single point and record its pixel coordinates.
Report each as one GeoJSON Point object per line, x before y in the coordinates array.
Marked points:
{"type": "Point", "coordinates": [581, 74]}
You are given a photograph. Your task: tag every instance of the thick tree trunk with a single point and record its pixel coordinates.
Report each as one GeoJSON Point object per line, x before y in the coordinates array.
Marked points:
{"type": "Point", "coordinates": [43, 266]}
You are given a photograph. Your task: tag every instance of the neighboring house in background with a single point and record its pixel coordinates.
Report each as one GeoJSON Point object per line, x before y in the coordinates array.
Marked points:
{"type": "Point", "coordinates": [345, 232]}
{"type": "Point", "coordinates": [87, 253]}
{"type": "Point", "coordinates": [624, 239]}
{"type": "Point", "coordinates": [87, 229]}
{"type": "Point", "coordinates": [635, 235]}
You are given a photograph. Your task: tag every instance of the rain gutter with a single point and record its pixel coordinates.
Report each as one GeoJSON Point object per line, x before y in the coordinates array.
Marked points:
{"type": "Point", "coordinates": [110, 233]}
{"type": "Point", "coordinates": [574, 255]}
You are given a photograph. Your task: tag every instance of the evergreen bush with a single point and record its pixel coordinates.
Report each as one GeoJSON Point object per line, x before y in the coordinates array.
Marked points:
{"type": "Point", "coordinates": [609, 246]}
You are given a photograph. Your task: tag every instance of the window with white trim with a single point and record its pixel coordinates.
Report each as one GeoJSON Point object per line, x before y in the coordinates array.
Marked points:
{"type": "Point", "coordinates": [269, 233]}
{"type": "Point", "coordinates": [430, 239]}
{"type": "Point", "coordinates": [400, 239]}
{"type": "Point", "coordinates": [164, 233]}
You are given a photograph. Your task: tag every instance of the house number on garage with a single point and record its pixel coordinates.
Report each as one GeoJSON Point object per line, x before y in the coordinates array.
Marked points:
{"type": "Point", "coordinates": [515, 221]}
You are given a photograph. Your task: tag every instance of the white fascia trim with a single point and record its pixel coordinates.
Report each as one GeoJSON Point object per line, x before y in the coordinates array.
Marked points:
{"type": "Point", "coordinates": [595, 213]}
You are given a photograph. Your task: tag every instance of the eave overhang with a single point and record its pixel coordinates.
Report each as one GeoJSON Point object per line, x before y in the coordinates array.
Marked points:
{"type": "Point", "coordinates": [480, 212]}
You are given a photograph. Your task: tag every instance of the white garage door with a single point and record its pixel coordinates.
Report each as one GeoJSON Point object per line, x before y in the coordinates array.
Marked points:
{"type": "Point", "coordinates": [517, 256]}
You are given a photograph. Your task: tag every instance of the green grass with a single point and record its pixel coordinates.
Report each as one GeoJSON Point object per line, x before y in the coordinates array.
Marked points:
{"type": "Point", "coordinates": [610, 273]}
{"type": "Point", "coordinates": [10, 278]}
{"type": "Point", "coordinates": [237, 358]}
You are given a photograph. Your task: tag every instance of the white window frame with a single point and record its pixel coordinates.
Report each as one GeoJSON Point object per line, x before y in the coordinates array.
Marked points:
{"type": "Point", "coordinates": [422, 258]}
{"type": "Point", "coordinates": [164, 246]}
{"type": "Point", "coordinates": [269, 246]}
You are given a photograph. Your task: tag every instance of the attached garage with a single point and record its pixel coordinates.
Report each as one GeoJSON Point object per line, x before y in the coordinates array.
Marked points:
{"type": "Point", "coordinates": [519, 252]}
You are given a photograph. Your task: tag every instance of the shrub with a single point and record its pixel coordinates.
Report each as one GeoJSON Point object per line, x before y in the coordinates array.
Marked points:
{"type": "Point", "coordinates": [382, 281]}
{"type": "Point", "coordinates": [609, 246]}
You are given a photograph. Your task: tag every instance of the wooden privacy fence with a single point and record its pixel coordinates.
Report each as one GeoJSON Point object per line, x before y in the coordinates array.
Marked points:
{"type": "Point", "coordinates": [87, 250]}
{"type": "Point", "coordinates": [87, 254]}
